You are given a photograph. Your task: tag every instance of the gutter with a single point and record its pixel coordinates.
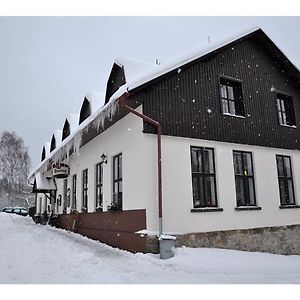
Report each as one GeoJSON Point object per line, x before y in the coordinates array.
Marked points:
{"type": "Point", "coordinates": [124, 103]}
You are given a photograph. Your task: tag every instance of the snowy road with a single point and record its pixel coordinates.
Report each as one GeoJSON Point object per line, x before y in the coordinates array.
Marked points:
{"type": "Point", "coordinates": [31, 253]}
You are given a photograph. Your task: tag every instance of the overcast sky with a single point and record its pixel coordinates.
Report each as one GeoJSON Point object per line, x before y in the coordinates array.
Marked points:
{"type": "Point", "coordinates": [48, 63]}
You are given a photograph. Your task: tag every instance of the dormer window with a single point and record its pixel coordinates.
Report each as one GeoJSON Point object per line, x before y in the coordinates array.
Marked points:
{"type": "Point", "coordinates": [231, 97]}
{"type": "Point", "coordinates": [66, 130]}
{"type": "Point", "coordinates": [285, 109]}
{"type": "Point", "coordinates": [43, 154]}
{"type": "Point", "coordinates": [53, 143]}
{"type": "Point", "coordinates": [85, 111]}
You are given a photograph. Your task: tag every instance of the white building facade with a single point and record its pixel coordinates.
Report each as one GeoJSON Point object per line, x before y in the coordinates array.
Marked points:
{"type": "Point", "coordinates": [215, 192]}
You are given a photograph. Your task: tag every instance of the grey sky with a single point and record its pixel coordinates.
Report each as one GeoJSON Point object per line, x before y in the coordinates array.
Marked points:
{"type": "Point", "coordinates": [49, 63]}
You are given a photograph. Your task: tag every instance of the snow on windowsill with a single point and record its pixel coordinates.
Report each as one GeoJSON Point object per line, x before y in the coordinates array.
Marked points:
{"type": "Point", "coordinates": [289, 126]}
{"type": "Point", "coordinates": [232, 115]}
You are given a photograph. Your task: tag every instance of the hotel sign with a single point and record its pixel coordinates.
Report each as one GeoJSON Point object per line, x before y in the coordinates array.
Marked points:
{"type": "Point", "coordinates": [60, 170]}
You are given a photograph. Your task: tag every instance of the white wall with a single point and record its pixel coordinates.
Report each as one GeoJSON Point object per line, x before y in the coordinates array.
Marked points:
{"type": "Point", "coordinates": [139, 153]}
{"type": "Point", "coordinates": [124, 137]}
{"type": "Point", "coordinates": [177, 185]}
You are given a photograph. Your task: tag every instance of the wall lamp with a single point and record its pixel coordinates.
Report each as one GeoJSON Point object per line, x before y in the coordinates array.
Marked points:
{"type": "Point", "coordinates": [103, 157]}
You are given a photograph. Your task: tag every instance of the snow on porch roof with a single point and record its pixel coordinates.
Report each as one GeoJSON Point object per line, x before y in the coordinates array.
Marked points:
{"type": "Point", "coordinates": [43, 184]}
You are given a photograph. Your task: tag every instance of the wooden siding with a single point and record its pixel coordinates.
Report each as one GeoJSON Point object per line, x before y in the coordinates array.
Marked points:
{"type": "Point", "coordinates": [187, 101]}
{"type": "Point", "coordinates": [116, 229]}
{"type": "Point", "coordinates": [115, 80]}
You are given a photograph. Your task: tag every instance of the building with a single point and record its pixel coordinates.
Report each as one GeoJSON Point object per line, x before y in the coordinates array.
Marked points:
{"type": "Point", "coordinates": [230, 153]}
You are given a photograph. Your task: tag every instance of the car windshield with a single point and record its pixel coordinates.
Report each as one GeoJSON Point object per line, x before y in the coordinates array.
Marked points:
{"type": "Point", "coordinates": [7, 209]}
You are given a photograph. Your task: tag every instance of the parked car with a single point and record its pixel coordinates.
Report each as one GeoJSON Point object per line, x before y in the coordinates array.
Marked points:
{"type": "Point", "coordinates": [8, 209]}
{"type": "Point", "coordinates": [16, 210]}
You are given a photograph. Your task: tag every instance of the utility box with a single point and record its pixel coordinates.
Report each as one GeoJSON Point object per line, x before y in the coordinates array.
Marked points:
{"type": "Point", "coordinates": [166, 246]}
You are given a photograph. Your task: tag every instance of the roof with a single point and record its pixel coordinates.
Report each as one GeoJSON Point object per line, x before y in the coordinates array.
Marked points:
{"type": "Point", "coordinates": [96, 100]}
{"type": "Point", "coordinates": [43, 185]}
{"type": "Point", "coordinates": [73, 120]}
{"type": "Point", "coordinates": [133, 69]}
{"type": "Point", "coordinates": [138, 73]}
{"type": "Point", "coordinates": [177, 63]}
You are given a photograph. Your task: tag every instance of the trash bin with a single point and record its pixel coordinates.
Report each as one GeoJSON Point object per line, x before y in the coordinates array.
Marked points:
{"type": "Point", "coordinates": [166, 246]}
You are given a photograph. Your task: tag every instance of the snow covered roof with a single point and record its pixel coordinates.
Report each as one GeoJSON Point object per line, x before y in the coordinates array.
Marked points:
{"type": "Point", "coordinates": [73, 121]}
{"type": "Point", "coordinates": [133, 69]}
{"type": "Point", "coordinates": [58, 137]}
{"type": "Point", "coordinates": [96, 100]}
{"type": "Point", "coordinates": [46, 146]}
{"type": "Point", "coordinates": [178, 62]}
{"type": "Point", "coordinates": [138, 73]}
{"type": "Point", "coordinates": [43, 184]}
{"type": "Point", "coordinates": [74, 137]}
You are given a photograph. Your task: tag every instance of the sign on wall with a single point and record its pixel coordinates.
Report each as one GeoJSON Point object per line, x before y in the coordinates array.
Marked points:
{"type": "Point", "coordinates": [60, 170]}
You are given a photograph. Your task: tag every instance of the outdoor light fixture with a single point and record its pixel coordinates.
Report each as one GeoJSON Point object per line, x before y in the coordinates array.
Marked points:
{"type": "Point", "coordinates": [103, 157]}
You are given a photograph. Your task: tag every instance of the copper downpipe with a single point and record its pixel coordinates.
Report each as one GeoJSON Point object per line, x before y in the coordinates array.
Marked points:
{"type": "Point", "coordinates": [123, 102]}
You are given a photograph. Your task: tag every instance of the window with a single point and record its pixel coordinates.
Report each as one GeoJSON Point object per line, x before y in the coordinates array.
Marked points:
{"type": "Point", "coordinates": [74, 182]}
{"type": "Point", "coordinates": [40, 205]}
{"type": "Point", "coordinates": [231, 97]}
{"type": "Point", "coordinates": [99, 186]}
{"type": "Point", "coordinates": [52, 200]}
{"type": "Point", "coordinates": [117, 182]}
{"type": "Point", "coordinates": [84, 190]}
{"type": "Point", "coordinates": [203, 177]}
{"type": "Point", "coordinates": [65, 195]}
{"type": "Point", "coordinates": [285, 180]}
{"type": "Point", "coordinates": [244, 178]}
{"type": "Point", "coordinates": [285, 109]}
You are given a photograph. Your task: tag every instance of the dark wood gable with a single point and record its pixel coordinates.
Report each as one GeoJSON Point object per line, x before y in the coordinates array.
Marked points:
{"type": "Point", "coordinates": [66, 130]}
{"type": "Point", "coordinates": [85, 111]}
{"type": "Point", "coordinates": [53, 143]}
{"type": "Point", "coordinates": [115, 80]}
{"type": "Point", "coordinates": [187, 103]}
{"type": "Point", "coordinates": [43, 154]}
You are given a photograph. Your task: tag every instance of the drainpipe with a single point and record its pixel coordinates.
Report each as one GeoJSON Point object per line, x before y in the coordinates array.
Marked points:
{"type": "Point", "coordinates": [123, 103]}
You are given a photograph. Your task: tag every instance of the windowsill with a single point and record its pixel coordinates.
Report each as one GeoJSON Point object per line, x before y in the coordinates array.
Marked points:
{"type": "Point", "coordinates": [231, 115]}
{"type": "Point", "coordinates": [289, 126]}
{"type": "Point", "coordinates": [289, 206]}
{"type": "Point", "coordinates": [242, 208]}
{"type": "Point", "coordinates": [207, 209]}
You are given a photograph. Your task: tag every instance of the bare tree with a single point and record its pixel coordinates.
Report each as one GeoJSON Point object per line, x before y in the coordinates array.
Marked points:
{"type": "Point", "coordinates": [14, 166]}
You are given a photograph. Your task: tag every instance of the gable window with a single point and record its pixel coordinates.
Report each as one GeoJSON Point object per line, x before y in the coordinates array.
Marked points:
{"type": "Point", "coordinates": [285, 180]}
{"type": "Point", "coordinates": [231, 97]}
{"type": "Point", "coordinates": [203, 177]}
{"type": "Point", "coordinates": [117, 182]}
{"type": "Point", "coordinates": [244, 178]}
{"type": "Point", "coordinates": [285, 109]}
{"type": "Point", "coordinates": [99, 186]}
{"type": "Point", "coordinates": [84, 190]}
{"type": "Point", "coordinates": [74, 183]}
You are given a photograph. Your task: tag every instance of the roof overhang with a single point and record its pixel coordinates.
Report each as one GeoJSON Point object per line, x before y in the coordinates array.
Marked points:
{"type": "Point", "coordinates": [43, 184]}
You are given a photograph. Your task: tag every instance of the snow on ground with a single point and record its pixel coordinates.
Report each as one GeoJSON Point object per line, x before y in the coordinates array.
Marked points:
{"type": "Point", "coordinates": [31, 253]}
